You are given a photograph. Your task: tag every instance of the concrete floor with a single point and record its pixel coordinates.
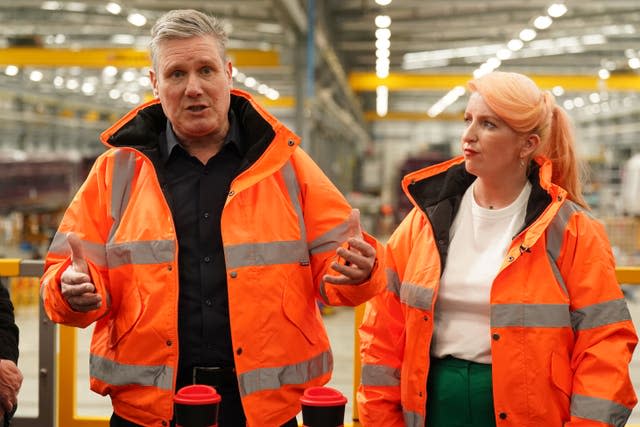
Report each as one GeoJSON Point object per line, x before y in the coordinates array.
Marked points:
{"type": "Point", "coordinates": [339, 327]}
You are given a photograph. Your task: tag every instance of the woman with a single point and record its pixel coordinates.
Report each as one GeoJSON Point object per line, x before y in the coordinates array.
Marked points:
{"type": "Point", "coordinates": [502, 306]}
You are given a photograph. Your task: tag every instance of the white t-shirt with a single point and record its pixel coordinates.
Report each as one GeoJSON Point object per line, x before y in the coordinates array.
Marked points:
{"type": "Point", "coordinates": [480, 239]}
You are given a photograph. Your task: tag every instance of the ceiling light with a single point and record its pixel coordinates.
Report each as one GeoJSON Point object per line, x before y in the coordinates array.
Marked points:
{"type": "Point", "coordinates": [58, 81]}
{"type": "Point", "coordinates": [634, 63]}
{"type": "Point", "coordinates": [113, 7]}
{"type": "Point", "coordinates": [383, 53]}
{"type": "Point", "coordinates": [383, 33]}
{"type": "Point", "coordinates": [542, 22]}
{"type": "Point", "coordinates": [556, 10]}
{"type": "Point", "coordinates": [594, 97]}
{"type": "Point", "coordinates": [383, 44]}
{"type": "Point", "coordinates": [382, 100]}
{"type": "Point", "coordinates": [383, 21]}
{"type": "Point", "coordinates": [515, 44]}
{"type": "Point", "coordinates": [51, 5]}
{"type": "Point", "coordinates": [604, 74]}
{"type": "Point", "coordinates": [273, 94]}
{"type": "Point", "coordinates": [74, 6]}
{"type": "Point", "coordinates": [528, 34]}
{"type": "Point", "coordinates": [36, 76]}
{"type": "Point", "coordinates": [383, 2]}
{"type": "Point", "coordinates": [114, 94]}
{"type": "Point", "coordinates": [11, 70]}
{"type": "Point", "coordinates": [137, 19]}
{"type": "Point", "coordinates": [557, 90]}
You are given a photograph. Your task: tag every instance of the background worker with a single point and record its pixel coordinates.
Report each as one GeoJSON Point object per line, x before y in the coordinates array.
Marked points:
{"type": "Point", "coordinates": [502, 304]}
{"type": "Point", "coordinates": [199, 244]}
{"type": "Point", "coordinates": [10, 375]}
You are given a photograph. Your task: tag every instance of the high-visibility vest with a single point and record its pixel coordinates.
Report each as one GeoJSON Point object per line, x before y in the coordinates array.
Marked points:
{"type": "Point", "coordinates": [281, 224]}
{"type": "Point", "coordinates": [561, 333]}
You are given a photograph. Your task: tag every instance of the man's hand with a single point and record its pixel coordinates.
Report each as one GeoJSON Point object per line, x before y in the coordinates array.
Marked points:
{"type": "Point", "coordinates": [10, 382]}
{"type": "Point", "coordinates": [76, 286]}
{"type": "Point", "coordinates": [358, 257]}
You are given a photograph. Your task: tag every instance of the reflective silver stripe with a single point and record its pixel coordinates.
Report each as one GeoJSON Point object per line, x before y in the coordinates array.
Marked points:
{"type": "Point", "coordinates": [112, 372]}
{"type": "Point", "coordinates": [393, 282]}
{"type": "Point", "coordinates": [597, 409]}
{"type": "Point", "coordinates": [121, 180]}
{"type": "Point", "coordinates": [144, 252]}
{"type": "Point", "coordinates": [380, 375]}
{"type": "Point", "coordinates": [293, 188]}
{"type": "Point", "coordinates": [416, 296]}
{"type": "Point", "coordinates": [265, 253]}
{"type": "Point", "coordinates": [331, 239]}
{"type": "Point", "coordinates": [556, 273]}
{"type": "Point", "coordinates": [601, 314]}
{"type": "Point", "coordinates": [94, 252]}
{"type": "Point", "coordinates": [274, 378]}
{"type": "Point", "coordinates": [412, 419]}
{"type": "Point", "coordinates": [555, 236]}
{"type": "Point", "coordinates": [530, 315]}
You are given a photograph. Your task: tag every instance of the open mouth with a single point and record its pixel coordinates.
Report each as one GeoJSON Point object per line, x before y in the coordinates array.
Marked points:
{"type": "Point", "coordinates": [196, 108]}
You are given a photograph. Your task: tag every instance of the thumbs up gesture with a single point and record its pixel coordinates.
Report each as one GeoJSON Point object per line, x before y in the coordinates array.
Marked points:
{"type": "Point", "coordinates": [358, 257]}
{"type": "Point", "coordinates": [75, 283]}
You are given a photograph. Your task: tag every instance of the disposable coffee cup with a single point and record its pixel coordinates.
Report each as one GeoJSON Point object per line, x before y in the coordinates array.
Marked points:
{"type": "Point", "coordinates": [197, 406]}
{"type": "Point", "coordinates": [323, 407]}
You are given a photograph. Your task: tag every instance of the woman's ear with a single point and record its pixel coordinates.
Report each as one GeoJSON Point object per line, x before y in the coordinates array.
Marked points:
{"type": "Point", "coordinates": [530, 145]}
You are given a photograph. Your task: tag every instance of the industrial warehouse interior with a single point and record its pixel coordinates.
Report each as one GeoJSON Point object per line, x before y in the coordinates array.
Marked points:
{"type": "Point", "coordinates": [376, 89]}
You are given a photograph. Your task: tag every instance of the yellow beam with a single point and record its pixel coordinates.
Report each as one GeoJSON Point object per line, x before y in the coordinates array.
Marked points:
{"type": "Point", "coordinates": [122, 57]}
{"type": "Point", "coordinates": [410, 116]}
{"type": "Point", "coordinates": [628, 275]}
{"type": "Point", "coordinates": [365, 82]}
{"type": "Point", "coordinates": [9, 267]}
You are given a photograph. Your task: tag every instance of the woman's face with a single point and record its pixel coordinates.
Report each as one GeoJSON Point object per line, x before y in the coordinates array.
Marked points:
{"type": "Point", "coordinates": [490, 147]}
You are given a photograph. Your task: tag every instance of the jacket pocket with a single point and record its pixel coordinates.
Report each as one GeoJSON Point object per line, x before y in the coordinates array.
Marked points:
{"type": "Point", "coordinates": [561, 373]}
{"type": "Point", "coordinates": [126, 316]}
{"type": "Point", "coordinates": [301, 309]}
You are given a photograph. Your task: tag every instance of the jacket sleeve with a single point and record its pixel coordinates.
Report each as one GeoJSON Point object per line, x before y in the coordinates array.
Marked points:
{"type": "Point", "coordinates": [382, 337]}
{"type": "Point", "coordinates": [328, 225]}
{"type": "Point", "coordinates": [8, 327]}
{"type": "Point", "coordinates": [602, 392]}
{"type": "Point", "coordinates": [87, 216]}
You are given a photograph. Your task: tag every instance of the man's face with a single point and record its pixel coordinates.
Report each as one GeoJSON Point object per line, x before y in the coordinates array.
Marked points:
{"type": "Point", "coordinates": [193, 82]}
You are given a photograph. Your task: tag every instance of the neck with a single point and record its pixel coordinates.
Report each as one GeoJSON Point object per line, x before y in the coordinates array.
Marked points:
{"type": "Point", "coordinates": [492, 195]}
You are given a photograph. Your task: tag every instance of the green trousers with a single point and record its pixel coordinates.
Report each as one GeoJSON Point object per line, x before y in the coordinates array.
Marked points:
{"type": "Point", "coordinates": [459, 394]}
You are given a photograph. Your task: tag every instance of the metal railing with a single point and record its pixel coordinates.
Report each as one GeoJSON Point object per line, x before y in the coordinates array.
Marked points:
{"type": "Point", "coordinates": [46, 345]}
{"type": "Point", "coordinates": [57, 399]}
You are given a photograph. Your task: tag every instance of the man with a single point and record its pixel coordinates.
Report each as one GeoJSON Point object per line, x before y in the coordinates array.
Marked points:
{"type": "Point", "coordinates": [10, 375]}
{"type": "Point", "coordinates": [199, 245]}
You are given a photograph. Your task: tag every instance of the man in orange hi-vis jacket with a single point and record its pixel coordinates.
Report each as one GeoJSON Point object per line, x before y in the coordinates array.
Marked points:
{"type": "Point", "coordinates": [199, 245]}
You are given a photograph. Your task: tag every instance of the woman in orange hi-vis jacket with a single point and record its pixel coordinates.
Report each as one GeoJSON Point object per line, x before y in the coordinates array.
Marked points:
{"type": "Point", "coordinates": [502, 306]}
{"type": "Point", "coordinates": [199, 245]}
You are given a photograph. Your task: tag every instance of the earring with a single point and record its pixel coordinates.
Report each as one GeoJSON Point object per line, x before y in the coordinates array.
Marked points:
{"type": "Point", "coordinates": [522, 165]}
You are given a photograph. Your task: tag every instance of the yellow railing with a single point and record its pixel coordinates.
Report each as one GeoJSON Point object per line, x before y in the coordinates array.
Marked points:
{"type": "Point", "coordinates": [65, 386]}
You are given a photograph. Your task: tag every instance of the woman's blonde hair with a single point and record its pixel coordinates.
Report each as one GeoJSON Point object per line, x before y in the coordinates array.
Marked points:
{"type": "Point", "coordinates": [520, 103]}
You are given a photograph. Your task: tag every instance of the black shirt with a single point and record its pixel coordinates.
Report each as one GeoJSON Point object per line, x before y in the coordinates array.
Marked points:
{"type": "Point", "coordinates": [197, 194]}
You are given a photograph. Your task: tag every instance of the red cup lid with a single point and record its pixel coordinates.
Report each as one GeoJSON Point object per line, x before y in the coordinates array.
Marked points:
{"type": "Point", "coordinates": [322, 396]}
{"type": "Point", "coordinates": [197, 395]}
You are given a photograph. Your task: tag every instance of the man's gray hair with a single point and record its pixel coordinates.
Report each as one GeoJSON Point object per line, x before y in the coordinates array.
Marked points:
{"type": "Point", "coordinates": [183, 24]}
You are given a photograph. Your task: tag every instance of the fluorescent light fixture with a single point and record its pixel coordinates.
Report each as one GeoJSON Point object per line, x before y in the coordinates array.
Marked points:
{"type": "Point", "coordinates": [383, 2]}
{"type": "Point", "coordinates": [542, 22]}
{"type": "Point", "coordinates": [528, 34]}
{"type": "Point", "coordinates": [137, 19]}
{"type": "Point", "coordinates": [113, 8]}
{"type": "Point", "coordinates": [383, 21]}
{"type": "Point", "coordinates": [556, 10]}
{"type": "Point", "coordinates": [382, 100]}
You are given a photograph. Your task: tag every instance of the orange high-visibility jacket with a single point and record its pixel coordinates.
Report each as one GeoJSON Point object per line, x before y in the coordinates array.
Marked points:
{"type": "Point", "coordinates": [561, 333]}
{"type": "Point", "coordinates": [281, 224]}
